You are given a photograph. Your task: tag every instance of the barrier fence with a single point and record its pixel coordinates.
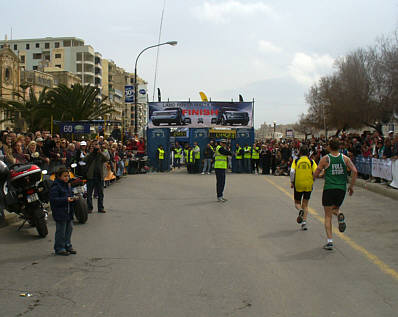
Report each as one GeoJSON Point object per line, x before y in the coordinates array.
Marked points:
{"type": "Point", "coordinates": [383, 168]}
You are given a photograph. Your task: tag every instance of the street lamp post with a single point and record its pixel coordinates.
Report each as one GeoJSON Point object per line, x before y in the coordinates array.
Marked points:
{"type": "Point", "coordinates": [172, 43]}
{"type": "Point", "coordinates": [274, 128]}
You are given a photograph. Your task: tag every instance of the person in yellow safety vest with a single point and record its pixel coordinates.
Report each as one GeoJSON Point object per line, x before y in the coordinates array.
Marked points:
{"type": "Point", "coordinates": [197, 164]}
{"type": "Point", "coordinates": [190, 160]}
{"type": "Point", "coordinates": [255, 158]}
{"type": "Point", "coordinates": [239, 158]}
{"type": "Point", "coordinates": [247, 156]}
{"type": "Point", "coordinates": [161, 158]}
{"type": "Point", "coordinates": [220, 166]}
{"type": "Point", "coordinates": [177, 155]}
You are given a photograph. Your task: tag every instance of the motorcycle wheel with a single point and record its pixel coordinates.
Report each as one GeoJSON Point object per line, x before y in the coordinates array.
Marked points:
{"type": "Point", "coordinates": [81, 210]}
{"type": "Point", "coordinates": [39, 219]}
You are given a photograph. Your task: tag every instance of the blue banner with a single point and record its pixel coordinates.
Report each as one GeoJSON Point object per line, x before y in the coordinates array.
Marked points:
{"type": "Point", "coordinates": [129, 93]}
{"type": "Point", "coordinates": [74, 127]}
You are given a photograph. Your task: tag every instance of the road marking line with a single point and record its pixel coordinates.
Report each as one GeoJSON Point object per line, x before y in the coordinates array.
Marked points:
{"type": "Point", "coordinates": [385, 268]}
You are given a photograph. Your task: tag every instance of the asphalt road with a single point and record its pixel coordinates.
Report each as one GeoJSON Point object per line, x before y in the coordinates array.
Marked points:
{"type": "Point", "coordinates": [167, 248]}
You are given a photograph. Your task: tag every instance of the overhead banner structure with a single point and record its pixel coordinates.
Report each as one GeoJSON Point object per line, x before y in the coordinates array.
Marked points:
{"type": "Point", "coordinates": [200, 114]}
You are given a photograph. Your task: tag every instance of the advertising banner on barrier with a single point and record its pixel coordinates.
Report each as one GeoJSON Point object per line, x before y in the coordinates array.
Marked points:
{"type": "Point", "coordinates": [382, 168]}
{"type": "Point", "coordinates": [200, 114]}
{"type": "Point", "coordinates": [74, 127]}
{"type": "Point", "coordinates": [363, 165]}
{"type": "Point", "coordinates": [394, 169]}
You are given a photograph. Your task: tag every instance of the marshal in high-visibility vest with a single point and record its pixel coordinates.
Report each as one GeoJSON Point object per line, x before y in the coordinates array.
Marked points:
{"type": "Point", "coordinates": [161, 154]}
{"type": "Point", "coordinates": [178, 152]}
{"type": "Point", "coordinates": [238, 153]}
{"type": "Point", "coordinates": [221, 161]}
{"type": "Point", "coordinates": [256, 153]}
{"type": "Point", "coordinates": [248, 152]}
{"type": "Point", "coordinates": [197, 152]}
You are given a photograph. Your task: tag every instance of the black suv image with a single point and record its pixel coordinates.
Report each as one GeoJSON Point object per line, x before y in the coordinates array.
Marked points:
{"type": "Point", "coordinates": [169, 116]}
{"type": "Point", "coordinates": [231, 116]}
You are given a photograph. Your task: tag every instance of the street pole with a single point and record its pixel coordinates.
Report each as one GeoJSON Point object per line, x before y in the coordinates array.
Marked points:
{"type": "Point", "coordinates": [172, 43]}
{"type": "Point", "coordinates": [274, 129]}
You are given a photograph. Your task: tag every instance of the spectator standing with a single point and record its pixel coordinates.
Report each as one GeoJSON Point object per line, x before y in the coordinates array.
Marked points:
{"type": "Point", "coordinates": [95, 175]}
{"type": "Point", "coordinates": [207, 158]}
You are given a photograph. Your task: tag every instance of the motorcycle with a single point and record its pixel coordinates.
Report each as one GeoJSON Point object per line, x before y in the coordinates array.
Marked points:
{"type": "Point", "coordinates": [22, 191]}
{"type": "Point", "coordinates": [79, 190]}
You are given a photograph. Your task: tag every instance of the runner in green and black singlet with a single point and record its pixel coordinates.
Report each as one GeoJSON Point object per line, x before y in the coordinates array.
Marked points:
{"type": "Point", "coordinates": [335, 166]}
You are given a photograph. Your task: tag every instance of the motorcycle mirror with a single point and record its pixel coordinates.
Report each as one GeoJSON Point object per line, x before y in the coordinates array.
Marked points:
{"type": "Point", "coordinates": [44, 172]}
{"type": "Point", "coordinates": [73, 165]}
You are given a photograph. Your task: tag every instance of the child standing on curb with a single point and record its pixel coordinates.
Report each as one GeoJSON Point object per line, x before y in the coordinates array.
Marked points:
{"type": "Point", "coordinates": [61, 201]}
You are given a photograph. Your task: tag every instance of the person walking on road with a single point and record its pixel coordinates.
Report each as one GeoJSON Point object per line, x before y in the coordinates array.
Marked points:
{"type": "Point", "coordinates": [95, 175]}
{"type": "Point", "coordinates": [302, 179]}
{"type": "Point", "coordinates": [335, 165]}
{"type": "Point", "coordinates": [220, 166]}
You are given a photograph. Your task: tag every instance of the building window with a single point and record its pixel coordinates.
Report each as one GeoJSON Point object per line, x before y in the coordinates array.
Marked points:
{"type": "Point", "coordinates": [7, 74]}
{"type": "Point", "coordinates": [1, 46]}
{"type": "Point", "coordinates": [56, 45]}
{"type": "Point", "coordinates": [23, 59]}
{"type": "Point", "coordinates": [37, 56]}
{"type": "Point", "coordinates": [67, 43]}
{"type": "Point", "coordinates": [37, 45]}
{"type": "Point", "coordinates": [57, 55]}
{"type": "Point", "coordinates": [27, 46]}
{"type": "Point", "coordinates": [34, 67]}
{"type": "Point", "coordinates": [59, 66]}
{"type": "Point", "coordinates": [46, 45]}
{"type": "Point", "coordinates": [47, 57]}
{"type": "Point", "coordinates": [131, 80]}
{"type": "Point", "coordinates": [15, 47]}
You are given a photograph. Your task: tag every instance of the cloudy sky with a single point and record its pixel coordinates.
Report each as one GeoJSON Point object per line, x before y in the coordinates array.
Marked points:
{"type": "Point", "coordinates": [271, 51]}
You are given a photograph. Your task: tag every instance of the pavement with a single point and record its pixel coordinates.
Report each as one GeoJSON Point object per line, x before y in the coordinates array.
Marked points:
{"type": "Point", "coordinates": [165, 247]}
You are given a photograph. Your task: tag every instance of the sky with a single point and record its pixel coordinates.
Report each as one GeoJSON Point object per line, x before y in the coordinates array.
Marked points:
{"type": "Point", "coordinates": [270, 51]}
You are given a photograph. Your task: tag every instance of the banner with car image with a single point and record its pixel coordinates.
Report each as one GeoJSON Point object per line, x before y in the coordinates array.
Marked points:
{"type": "Point", "coordinates": [200, 114]}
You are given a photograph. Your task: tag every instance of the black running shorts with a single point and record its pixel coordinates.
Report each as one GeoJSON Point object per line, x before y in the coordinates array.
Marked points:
{"type": "Point", "coordinates": [333, 197]}
{"type": "Point", "coordinates": [299, 195]}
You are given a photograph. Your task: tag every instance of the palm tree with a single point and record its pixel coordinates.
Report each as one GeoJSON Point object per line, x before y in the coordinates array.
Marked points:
{"type": "Point", "coordinates": [25, 110]}
{"type": "Point", "coordinates": [77, 103]}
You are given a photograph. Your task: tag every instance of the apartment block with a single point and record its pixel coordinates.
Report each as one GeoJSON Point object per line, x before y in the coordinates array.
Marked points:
{"type": "Point", "coordinates": [65, 53]}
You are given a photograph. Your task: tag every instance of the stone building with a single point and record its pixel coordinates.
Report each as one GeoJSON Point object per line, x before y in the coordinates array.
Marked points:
{"type": "Point", "coordinates": [9, 80]}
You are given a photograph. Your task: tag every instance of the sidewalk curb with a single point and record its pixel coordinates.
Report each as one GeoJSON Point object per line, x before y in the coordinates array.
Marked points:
{"type": "Point", "coordinates": [9, 218]}
{"type": "Point", "coordinates": [378, 188]}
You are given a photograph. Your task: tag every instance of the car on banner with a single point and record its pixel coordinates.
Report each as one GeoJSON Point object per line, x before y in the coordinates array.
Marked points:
{"type": "Point", "coordinates": [169, 116]}
{"type": "Point", "coordinates": [231, 116]}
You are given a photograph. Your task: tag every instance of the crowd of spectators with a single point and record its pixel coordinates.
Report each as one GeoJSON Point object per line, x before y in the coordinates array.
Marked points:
{"type": "Point", "coordinates": [51, 151]}
{"type": "Point", "coordinates": [276, 156]}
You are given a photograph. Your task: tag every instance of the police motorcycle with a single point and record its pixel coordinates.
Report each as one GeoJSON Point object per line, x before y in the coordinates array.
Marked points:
{"type": "Point", "coordinates": [22, 191]}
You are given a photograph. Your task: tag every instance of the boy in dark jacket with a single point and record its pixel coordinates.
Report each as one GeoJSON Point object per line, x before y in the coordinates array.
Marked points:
{"type": "Point", "coordinates": [61, 201]}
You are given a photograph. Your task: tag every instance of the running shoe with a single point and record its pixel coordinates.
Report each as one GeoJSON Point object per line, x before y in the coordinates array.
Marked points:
{"type": "Point", "coordinates": [342, 224]}
{"type": "Point", "coordinates": [304, 227]}
{"type": "Point", "coordinates": [328, 246]}
{"type": "Point", "coordinates": [300, 216]}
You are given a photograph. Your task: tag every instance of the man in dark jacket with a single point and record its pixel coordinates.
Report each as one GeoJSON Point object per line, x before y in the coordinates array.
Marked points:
{"type": "Point", "coordinates": [95, 175]}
